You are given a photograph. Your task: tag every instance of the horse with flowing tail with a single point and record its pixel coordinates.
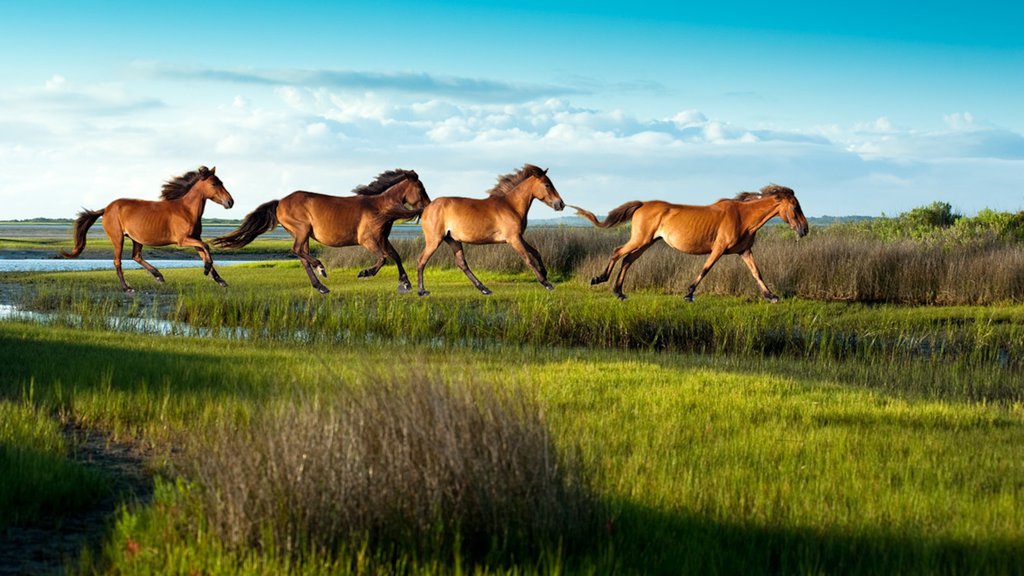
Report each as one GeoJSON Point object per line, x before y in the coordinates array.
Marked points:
{"type": "Point", "coordinates": [725, 227]}
{"type": "Point", "coordinates": [499, 218]}
{"type": "Point", "coordinates": [174, 219]}
{"type": "Point", "coordinates": [364, 219]}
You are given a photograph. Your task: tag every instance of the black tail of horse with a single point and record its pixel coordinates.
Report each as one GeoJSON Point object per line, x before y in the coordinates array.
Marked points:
{"type": "Point", "coordinates": [614, 218]}
{"type": "Point", "coordinates": [85, 220]}
{"type": "Point", "coordinates": [259, 221]}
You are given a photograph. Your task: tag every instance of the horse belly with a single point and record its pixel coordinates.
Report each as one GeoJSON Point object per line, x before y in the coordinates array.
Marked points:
{"type": "Point", "coordinates": [146, 226]}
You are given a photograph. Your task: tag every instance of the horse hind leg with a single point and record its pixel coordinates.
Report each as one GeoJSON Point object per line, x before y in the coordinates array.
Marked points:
{"type": "Point", "coordinates": [301, 249]}
{"type": "Point", "coordinates": [626, 263]}
{"type": "Point", "coordinates": [460, 261]}
{"type": "Point", "coordinates": [118, 242]}
{"type": "Point", "coordinates": [137, 256]}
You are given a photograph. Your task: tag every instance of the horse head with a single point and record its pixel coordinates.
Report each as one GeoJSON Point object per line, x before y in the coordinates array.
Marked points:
{"type": "Point", "coordinates": [544, 191]}
{"type": "Point", "coordinates": [415, 193]}
{"type": "Point", "coordinates": [212, 188]}
{"type": "Point", "coordinates": [789, 208]}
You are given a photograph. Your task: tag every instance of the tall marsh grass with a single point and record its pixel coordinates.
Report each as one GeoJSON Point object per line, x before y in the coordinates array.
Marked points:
{"type": "Point", "coordinates": [410, 463]}
{"type": "Point", "coordinates": [838, 263]}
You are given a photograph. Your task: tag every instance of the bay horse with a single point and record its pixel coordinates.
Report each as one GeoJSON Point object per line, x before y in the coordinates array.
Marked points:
{"type": "Point", "coordinates": [174, 219]}
{"type": "Point", "coordinates": [364, 219]}
{"type": "Point", "coordinates": [726, 227]}
{"type": "Point", "coordinates": [499, 218]}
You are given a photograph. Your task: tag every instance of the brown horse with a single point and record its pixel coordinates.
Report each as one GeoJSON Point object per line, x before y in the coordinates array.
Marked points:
{"type": "Point", "coordinates": [364, 219]}
{"type": "Point", "coordinates": [501, 217]}
{"type": "Point", "coordinates": [725, 227]}
{"type": "Point", "coordinates": [175, 219]}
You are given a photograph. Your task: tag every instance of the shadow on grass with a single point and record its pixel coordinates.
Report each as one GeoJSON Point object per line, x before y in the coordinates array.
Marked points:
{"type": "Point", "coordinates": [688, 544]}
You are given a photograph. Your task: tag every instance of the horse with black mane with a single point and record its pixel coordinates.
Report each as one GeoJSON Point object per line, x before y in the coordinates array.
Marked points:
{"type": "Point", "coordinates": [174, 219]}
{"type": "Point", "coordinates": [364, 219]}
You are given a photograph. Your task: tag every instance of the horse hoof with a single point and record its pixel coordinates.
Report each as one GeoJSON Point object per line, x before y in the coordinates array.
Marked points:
{"type": "Point", "coordinates": [159, 279]}
{"type": "Point", "coordinates": [548, 285]}
{"type": "Point", "coordinates": [596, 280]}
{"type": "Point", "coordinates": [323, 289]}
{"type": "Point", "coordinates": [485, 291]}
{"type": "Point", "coordinates": [129, 291]}
{"type": "Point", "coordinates": [620, 295]}
{"type": "Point", "coordinates": [364, 274]}
{"type": "Point", "coordinates": [404, 288]}
{"type": "Point", "coordinates": [222, 283]}
{"type": "Point", "coordinates": [424, 293]}
{"type": "Point", "coordinates": [688, 298]}
{"type": "Point", "coordinates": [773, 299]}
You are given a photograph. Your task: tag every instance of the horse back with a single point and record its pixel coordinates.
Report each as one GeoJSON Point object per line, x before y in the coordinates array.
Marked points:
{"type": "Point", "coordinates": [332, 220]}
{"type": "Point", "coordinates": [472, 220]}
{"type": "Point", "coordinates": [148, 222]}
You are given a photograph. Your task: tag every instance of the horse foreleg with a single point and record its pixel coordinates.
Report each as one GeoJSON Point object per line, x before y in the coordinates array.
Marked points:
{"type": "Point", "coordinates": [403, 279]}
{"type": "Point", "coordinates": [626, 263]}
{"type": "Point", "coordinates": [460, 261]}
{"type": "Point", "coordinates": [430, 246]}
{"type": "Point", "coordinates": [716, 253]}
{"type": "Point", "coordinates": [204, 252]}
{"type": "Point", "coordinates": [137, 256]}
{"type": "Point", "coordinates": [748, 259]}
{"type": "Point", "coordinates": [530, 255]}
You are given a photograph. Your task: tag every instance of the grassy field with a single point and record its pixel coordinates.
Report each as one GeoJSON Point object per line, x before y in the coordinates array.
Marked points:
{"type": "Point", "coordinates": [726, 436]}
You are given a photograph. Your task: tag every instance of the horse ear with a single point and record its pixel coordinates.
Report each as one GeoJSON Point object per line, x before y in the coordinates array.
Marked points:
{"type": "Point", "coordinates": [545, 171]}
{"type": "Point", "coordinates": [213, 171]}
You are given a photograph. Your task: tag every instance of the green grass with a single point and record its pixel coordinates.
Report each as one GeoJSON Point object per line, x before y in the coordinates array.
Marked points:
{"type": "Point", "coordinates": [721, 436]}
{"type": "Point", "coordinates": [39, 478]}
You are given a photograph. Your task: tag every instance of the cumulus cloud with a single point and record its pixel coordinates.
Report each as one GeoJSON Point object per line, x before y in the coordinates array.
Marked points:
{"type": "Point", "coordinates": [269, 137]}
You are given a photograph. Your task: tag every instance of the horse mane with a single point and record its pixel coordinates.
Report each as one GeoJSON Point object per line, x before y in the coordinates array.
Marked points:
{"type": "Point", "coordinates": [508, 182]}
{"type": "Point", "coordinates": [177, 187]}
{"type": "Point", "coordinates": [769, 190]}
{"type": "Point", "coordinates": [384, 181]}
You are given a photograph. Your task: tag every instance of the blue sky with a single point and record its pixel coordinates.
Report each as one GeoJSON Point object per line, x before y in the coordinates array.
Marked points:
{"type": "Point", "coordinates": [866, 108]}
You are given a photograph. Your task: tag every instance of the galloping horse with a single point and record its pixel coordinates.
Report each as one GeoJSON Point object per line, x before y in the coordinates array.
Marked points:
{"type": "Point", "coordinates": [725, 227]}
{"type": "Point", "coordinates": [501, 217]}
{"type": "Point", "coordinates": [364, 219]}
{"type": "Point", "coordinates": [175, 219]}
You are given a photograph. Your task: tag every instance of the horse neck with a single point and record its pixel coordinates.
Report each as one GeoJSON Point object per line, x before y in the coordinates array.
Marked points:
{"type": "Point", "coordinates": [389, 197]}
{"type": "Point", "coordinates": [520, 198]}
{"type": "Point", "coordinates": [759, 212]}
{"type": "Point", "coordinates": [194, 202]}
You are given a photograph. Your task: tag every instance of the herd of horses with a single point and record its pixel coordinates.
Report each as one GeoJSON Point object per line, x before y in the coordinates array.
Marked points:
{"type": "Point", "coordinates": [726, 227]}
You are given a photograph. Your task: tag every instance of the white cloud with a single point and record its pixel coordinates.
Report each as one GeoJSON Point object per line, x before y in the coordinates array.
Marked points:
{"type": "Point", "coordinates": [268, 140]}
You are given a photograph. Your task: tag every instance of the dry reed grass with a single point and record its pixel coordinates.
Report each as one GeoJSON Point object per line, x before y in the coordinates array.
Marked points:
{"type": "Point", "coordinates": [830, 264]}
{"type": "Point", "coordinates": [411, 464]}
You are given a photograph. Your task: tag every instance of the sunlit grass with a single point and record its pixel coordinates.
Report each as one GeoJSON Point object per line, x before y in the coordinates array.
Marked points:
{"type": "Point", "coordinates": [727, 435]}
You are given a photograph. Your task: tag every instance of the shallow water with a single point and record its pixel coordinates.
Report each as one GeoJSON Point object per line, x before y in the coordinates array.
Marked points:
{"type": "Point", "coordinates": [63, 265]}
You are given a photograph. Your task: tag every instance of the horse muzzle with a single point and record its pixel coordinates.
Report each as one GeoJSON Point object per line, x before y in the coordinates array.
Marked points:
{"type": "Point", "coordinates": [558, 205]}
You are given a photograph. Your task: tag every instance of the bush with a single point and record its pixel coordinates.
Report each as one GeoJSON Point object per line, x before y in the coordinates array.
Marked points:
{"type": "Point", "coordinates": [417, 465]}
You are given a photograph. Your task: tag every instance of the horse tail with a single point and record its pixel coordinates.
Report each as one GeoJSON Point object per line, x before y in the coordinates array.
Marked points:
{"type": "Point", "coordinates": [614, 218]}
{"type": "Point", "coordinates": [85, 220]}
{"type": "Point", "coordinates": [260, 221]}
